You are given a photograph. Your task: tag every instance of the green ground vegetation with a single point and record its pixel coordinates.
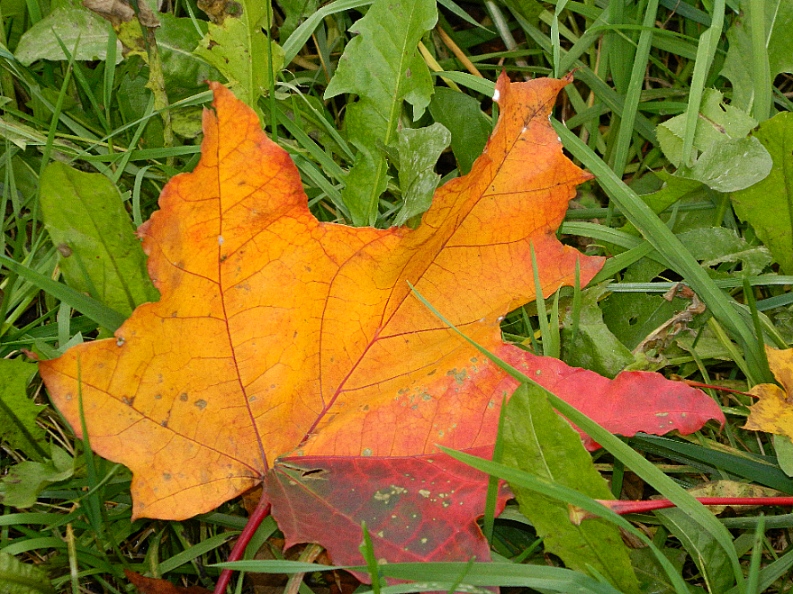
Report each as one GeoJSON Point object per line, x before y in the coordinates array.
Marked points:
{"type": "Point", "coordinates": [681, 109]}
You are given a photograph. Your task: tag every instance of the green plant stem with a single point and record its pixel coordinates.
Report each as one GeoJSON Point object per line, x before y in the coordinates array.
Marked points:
{"type": "Point", "coordinates": [156, 85]}
{"type": "Point", "coordinates": [761, 71]}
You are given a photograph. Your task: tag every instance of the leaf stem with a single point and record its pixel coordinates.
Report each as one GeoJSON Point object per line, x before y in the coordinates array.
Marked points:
{"type": "Point", "coordinates": [635, 507]}
{"type": "Point", "coordinates": [257, 517]}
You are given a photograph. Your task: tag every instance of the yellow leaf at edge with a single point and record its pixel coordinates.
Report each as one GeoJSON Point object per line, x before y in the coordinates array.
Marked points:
{"type": "Point", "coordinates": [773, 412]}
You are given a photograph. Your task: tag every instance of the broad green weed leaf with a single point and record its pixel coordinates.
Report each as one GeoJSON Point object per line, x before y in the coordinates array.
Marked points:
{"type": "Point", "coordinates": [419, 150]}
{"type": "Point", "coordinates": [17, 577]}
{"type": "Point", "coordinates": [732, 165]}
{"type": "Point", "coordinates": [652, 578]}
{"type": "Point", "coordinates": [528, 9]}
{"type": "Point", "coordinates": [633, 316]}
{"type": "Point", "coordinates": [24, 482]}
{"type": "Point", "coordinates": [768, 205]}
{"type": "Point", "coordinates": [729, 160]}
{"type": "Point", "coordinates": [383, 67]}
{"type": "Point", "coordinates": [365, 182]}
{"type": "Point", "coordinates": [717, 123]}
{"type": "Point", "coordinates": [593, 346]}
{"type": "Point", "coordinates": [704, 343]}
{"type": "Point", "coordinates": [708, 555]}
{"type": "Point", "coordinates": [67, 23]}
{"type": "Point", "coordinates": [17, 412]}
{"type": "Point", "coordinates": [783, 447]}
{"type": "Point", "coordinates": [87, 222]}
{"type": "Point", "coordinates": [463, 117]}
{"type": "Point", "coordinates": [295, 10]}
{"type": "Point", "coordinates": [714, 245]}
{"type": "Point", "coordinates": [738, 66]}
{"type": "Point", "coordinates": [184, 71]}
{"type": "Point", "coordinates": [540, 442]}
{"type": "Point", "coordinates": [238, 48]}
{"type": "Point", "coordinates": [674, 189]}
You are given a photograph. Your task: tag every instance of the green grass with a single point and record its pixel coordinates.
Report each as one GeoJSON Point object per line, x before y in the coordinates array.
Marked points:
{"type": "Point", "coordinates": [637, 65]}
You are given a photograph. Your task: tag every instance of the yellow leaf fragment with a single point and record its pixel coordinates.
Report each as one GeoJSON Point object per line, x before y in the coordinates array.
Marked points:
{"type": "Point", "coordinates": [773, 412]}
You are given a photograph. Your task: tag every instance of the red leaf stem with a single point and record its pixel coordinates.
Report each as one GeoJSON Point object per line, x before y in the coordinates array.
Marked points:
{"type": "Point", "coordinates": [633, 507]}
{"type": "Point", "coordinates": [257, 517]}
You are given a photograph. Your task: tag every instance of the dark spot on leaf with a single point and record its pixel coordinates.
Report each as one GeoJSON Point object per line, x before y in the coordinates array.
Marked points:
{"type": "Point", "coordinates": [64, 250]}
{"type": "Point", "coordinates": [183, 397]}
{"type": "Point", "coordinates": [201, 404]}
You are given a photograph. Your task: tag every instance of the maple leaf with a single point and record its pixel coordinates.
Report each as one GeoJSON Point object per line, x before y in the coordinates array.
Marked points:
{"type": "Point", "coordinates": [773, 411]}
{"type": "Point", "coordinates": [291, 353]}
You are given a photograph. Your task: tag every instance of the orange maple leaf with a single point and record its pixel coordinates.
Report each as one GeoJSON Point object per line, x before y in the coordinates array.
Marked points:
{"type": "Point", "coordinates": [276, 333]}
{"type": "Point", "coordinates": [290, 353]}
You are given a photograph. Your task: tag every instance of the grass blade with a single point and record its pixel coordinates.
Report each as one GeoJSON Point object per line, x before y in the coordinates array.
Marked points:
{"type": "Point", "coordinates": [101, 314]}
